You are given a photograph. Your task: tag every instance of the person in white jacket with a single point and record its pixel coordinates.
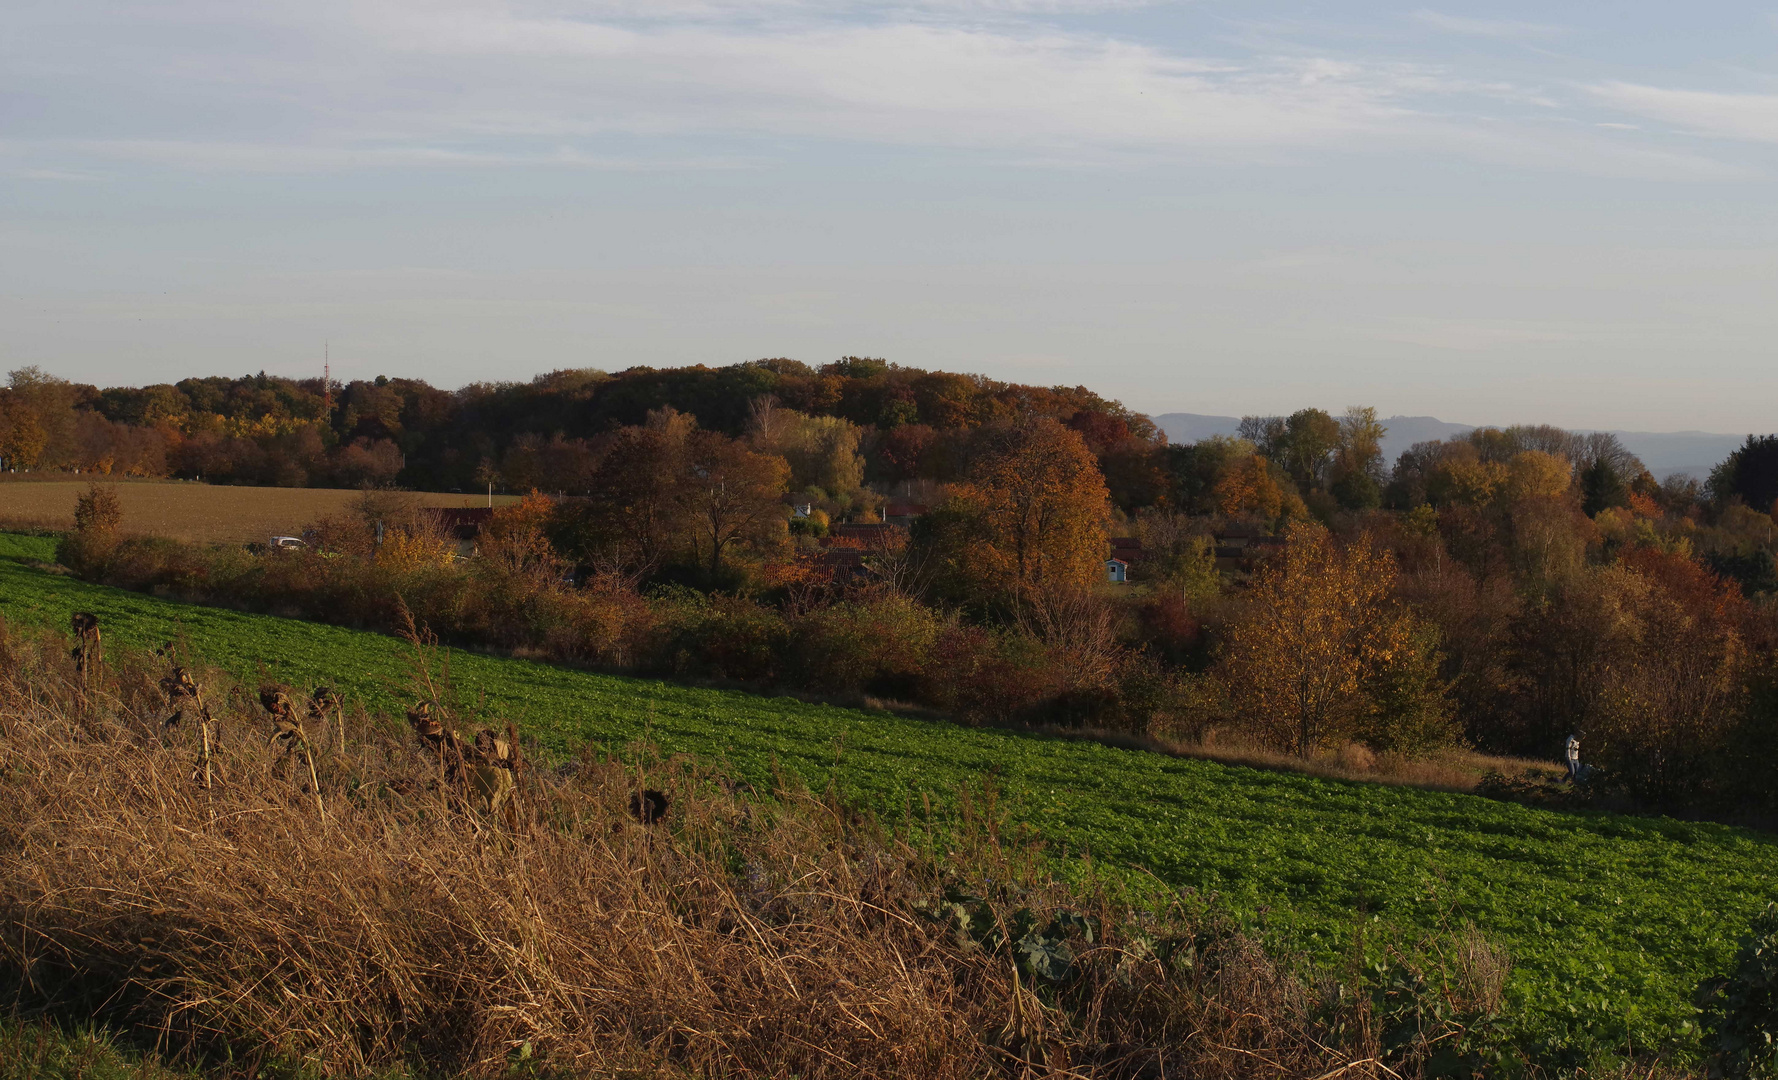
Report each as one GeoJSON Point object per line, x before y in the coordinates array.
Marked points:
{"type": "Point", "coordinates": [1573, 754]}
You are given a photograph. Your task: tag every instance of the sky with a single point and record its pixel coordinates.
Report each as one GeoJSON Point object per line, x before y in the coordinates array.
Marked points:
{"type": "Point", "coordinates": [1495, 213]}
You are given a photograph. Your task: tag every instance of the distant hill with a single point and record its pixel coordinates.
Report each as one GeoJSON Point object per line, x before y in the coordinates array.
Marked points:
{"type": "Point", "coordinates": [1663, 452]}
{"type": "Point", "coordinates": [1691, 452]}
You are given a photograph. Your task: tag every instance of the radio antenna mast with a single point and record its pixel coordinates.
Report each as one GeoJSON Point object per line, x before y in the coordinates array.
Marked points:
{"type": "Point", "coordinates": [327, 379]}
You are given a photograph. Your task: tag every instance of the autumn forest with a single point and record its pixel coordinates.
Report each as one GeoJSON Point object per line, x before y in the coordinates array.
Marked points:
{"type": "Point", "coordinates": [1001, 553]}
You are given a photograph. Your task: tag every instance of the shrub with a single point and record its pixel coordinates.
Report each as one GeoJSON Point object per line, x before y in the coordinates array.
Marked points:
{"type": "Point", "coordinates": [880, 644]}
{"type": "Point", "coordinates": [992, 675]}
{"type": "Point", "coordinates": [98, 510]}
{"type": "Point", "coordinates": [719, 637]}
{"type": "Point", "coordinates": [404, 551]}
{"type": "Point", "coordinates": [1741, 1008]}
{"type": "Point", "coordinates": [97, 514]}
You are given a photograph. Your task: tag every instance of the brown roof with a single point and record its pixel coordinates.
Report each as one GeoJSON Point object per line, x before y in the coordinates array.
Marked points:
{"type": "Point", "coordinates": [1127, 549]}
{"type": "Point", "coordinates": [841, 562]}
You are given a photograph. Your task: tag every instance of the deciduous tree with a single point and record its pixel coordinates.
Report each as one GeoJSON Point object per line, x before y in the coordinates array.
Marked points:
{"type": "Point", "coordinates": [1534, 474]}
{"type": "Point", "coordinates": [98, 510]}
{"type": "Point", "coordinates": [1320, 650]}
{"type": "Point", "coordinates": [21, 434]}
{"type": "Point", "coordinates": [1195, 468]}
{"type": "Point", "coordinates": [730, 493]}
{"type": "Point", "coordinates": [630, 519]}
{"type": "Point", "coordinates": [1034, 511]}
{"type": "Point", "coordinates": [1247, 487]}
{"type": "Point", "coordinates": [822, 451]}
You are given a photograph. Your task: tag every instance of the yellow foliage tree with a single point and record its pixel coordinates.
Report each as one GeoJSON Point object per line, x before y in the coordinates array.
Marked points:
{"type": "Point", "coordinates": [1534, 474]}
{"type": "Point", "coordinates": [403, 551]}
{"type": "Point", "coordinates": [1320, 650]}
{"type": "Point", "coordinates": [1466, 481]}
{"type": "Point", "coordinates": [730, 495]}
{"type": "Point", "coordinates": [822, 451]}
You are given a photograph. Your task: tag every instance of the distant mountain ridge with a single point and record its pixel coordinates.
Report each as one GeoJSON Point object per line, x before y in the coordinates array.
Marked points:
{"type": "Point", "coordinates": [1663, 452]}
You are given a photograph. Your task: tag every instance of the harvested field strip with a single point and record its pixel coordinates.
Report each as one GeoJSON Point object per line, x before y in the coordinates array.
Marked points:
{"type": "Point", "coordinates": [1610, 921]}
{"type": "Point", "coordinates": [204, 513]}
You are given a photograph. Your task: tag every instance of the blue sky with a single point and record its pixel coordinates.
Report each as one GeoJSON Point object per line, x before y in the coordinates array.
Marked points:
{"type": "Point", "coordinates": [1557, 213]}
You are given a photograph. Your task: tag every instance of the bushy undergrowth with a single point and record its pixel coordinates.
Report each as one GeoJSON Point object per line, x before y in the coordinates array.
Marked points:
{"type": "Point", "coordinates": [863, 640]}
{"type": "Point", "coordinates": [1741, 1007]}
{"type": "Point", "coordinates": [167, 867]}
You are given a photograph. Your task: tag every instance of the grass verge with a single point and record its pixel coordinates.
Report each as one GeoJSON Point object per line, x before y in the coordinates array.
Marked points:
{"type": "Point", "coordinates": [44, 1050]}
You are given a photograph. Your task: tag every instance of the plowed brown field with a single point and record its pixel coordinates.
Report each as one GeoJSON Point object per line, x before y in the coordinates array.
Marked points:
{"type": "Point", "coordinates": [193, 511]}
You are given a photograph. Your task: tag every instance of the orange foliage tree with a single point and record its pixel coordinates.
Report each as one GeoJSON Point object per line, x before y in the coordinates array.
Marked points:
{"type": "Point", "coordinates": [1034, 512]}
{"type": "Point", "coordinates": [21, 434]}
{"type": "Point", "coordinates": [517, 537]}
{"type": "Point", "coordinates": [1247, 487]}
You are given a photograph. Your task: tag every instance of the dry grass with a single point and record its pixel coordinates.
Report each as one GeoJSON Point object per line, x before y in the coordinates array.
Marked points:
{"type": "Point", "coordinates": [1445, 770]}
{"type": "Point", "coordinates": [202, 513]}
{"type": "Point", "coordinates": [1454, 769]}
{"type": "Point", "coordinates": [385, 916]}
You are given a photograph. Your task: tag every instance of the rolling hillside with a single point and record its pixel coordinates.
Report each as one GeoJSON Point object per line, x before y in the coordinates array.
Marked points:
{"type": "Point", "coordinates": [1610, 921]}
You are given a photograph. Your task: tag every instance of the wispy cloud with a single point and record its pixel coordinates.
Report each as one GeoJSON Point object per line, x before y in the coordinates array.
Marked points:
{"type": "Point", "coordinates": [343, 85]}
{"type": "Point", "coordinates": [287, 157]}
{"type": "Point", "coordinates": [1492, 28]}
{"type": "Point", "coordinates": [417, 76]}
{"type": "Point", "coordinates": [1749, 117]}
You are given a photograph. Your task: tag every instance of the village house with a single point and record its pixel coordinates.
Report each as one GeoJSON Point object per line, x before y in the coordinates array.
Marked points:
{"type": "Point", "coordinates": [1125, 550]}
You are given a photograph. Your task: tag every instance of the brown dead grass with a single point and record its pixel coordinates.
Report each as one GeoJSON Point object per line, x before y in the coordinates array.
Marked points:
{"type": "Point", "coordinates": [1454, 769]}
{"type": "Point", "coordinates": [381, 919]}
{"type": "Point", "coordinates": [202, 513]}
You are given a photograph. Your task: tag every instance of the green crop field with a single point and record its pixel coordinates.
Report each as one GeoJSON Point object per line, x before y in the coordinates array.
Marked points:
{"type": "Point", "coordinates": [1610, 921]}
